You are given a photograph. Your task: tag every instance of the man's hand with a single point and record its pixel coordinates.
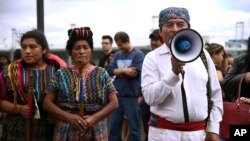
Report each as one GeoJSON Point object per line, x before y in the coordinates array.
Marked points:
{"type": "Point", "coordinates": [130, 71]}
{"type": "Point", "coordinates": [140, 99]}
{"type": "Point", "coordinates": [176, 65]}
{"type": "Point", "coordinates": [212, 137]}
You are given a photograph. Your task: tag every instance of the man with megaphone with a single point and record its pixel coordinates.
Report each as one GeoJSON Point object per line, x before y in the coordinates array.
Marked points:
{"type": "Point", "coordinates": [179, 83]}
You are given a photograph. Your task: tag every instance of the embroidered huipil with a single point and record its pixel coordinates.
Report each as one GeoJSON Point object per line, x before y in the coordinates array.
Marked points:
{"type": "Point", "coordinates": [15, 81]}
{"type": "Point", "coordinates": [93, 89]}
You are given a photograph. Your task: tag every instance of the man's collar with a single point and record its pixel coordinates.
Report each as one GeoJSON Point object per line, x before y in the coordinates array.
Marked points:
{"type": "Point", "coordinates": [163, 49]}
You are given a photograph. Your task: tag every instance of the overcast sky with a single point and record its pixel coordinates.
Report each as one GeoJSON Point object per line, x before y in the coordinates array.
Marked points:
{"type": "Point", "coordinates": [215, 18]}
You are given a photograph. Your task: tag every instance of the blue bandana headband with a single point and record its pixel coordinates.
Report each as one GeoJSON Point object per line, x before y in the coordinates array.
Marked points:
{"type": "Point", "coordinates": [173, 13]}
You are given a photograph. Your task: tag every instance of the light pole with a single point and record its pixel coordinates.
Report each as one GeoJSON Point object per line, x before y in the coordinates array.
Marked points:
{"type": "Point", "coordinates": [239, 28]}
{"type": "Point", "coordinates": [155, 22]}
{"type": "Point", "coordinates": [13, 44]}
{"type": "Point", "coordinates": [40, 15]}
{"type": "Point", "coordinates": [4, 43]}
{"type": "Point", "coordinates": [73, 25]}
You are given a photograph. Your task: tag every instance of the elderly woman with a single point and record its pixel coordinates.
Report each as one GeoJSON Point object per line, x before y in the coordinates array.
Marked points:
{"type": "Point", "coordinates": [22, 90]}
{"type": "Point", "coordinates": [81, 96]}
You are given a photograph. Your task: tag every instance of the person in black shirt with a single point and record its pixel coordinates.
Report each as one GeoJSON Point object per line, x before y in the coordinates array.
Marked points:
{"type": "Point", "coordinates": [240, 68]}
{"type": "Point", "coordinates": [108, 53]}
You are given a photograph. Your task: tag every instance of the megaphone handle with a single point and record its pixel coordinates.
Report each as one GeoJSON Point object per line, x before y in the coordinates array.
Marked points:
{"type": "Point", "coordinates": [182, 72]}
{"type": "Point", "coordinates": [177, 66]}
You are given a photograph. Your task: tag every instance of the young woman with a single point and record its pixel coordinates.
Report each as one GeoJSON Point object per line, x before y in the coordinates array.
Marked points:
{"type": "Point", "coordinates": [218, 55]}
{"type": "Point", "coordinates": [22, 91]}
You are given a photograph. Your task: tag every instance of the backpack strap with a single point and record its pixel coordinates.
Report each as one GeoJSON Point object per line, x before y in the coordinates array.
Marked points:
{"type": "Point", "coordinates": [209, 100]}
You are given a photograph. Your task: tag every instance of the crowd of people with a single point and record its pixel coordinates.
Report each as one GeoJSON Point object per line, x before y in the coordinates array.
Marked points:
{"type": "Point", "coordinates": [128, 96]}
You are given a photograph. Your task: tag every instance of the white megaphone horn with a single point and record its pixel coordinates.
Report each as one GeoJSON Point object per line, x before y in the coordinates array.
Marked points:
{"type": "Point", "coordinates": [186, 45]}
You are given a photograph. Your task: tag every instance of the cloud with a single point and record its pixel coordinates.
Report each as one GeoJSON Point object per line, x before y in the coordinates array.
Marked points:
{"type": "Point", "coordinates": [208, 17]}
{"type": "Point", "coordinates": [240, 5]}
{"type": "Point", "coordinates": [104, 18]}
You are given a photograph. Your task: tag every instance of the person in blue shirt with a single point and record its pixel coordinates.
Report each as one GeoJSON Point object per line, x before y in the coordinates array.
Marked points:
{"type": "Point", "coordinates": [126, 67]}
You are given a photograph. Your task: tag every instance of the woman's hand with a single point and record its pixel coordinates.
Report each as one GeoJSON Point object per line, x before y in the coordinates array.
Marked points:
{"type": "Point", "coordinates": [24, 110]}
{"type": "Point", "coordinates": [245, 100]}
{"type": "Point", "coordinates": [77, 121]}
{"type": "Point", "coordinates": [89, 121]}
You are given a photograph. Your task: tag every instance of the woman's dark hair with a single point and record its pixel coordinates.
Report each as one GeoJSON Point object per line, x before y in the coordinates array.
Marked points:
{"type": "Point", "coordinates": [214, 48]}
{"type": "Point", "coordinates": [82, 33]}
{"type": "Point", "coordinates": [8, 61]}
{"type": "Point", "coordinates": [6, 57]}
{"type": "Point", "coordinates": [17, 54]}
{"type": "Point", "coordinates": [38, 36]}
{"type": "Point", "coordinates": [41, 40]}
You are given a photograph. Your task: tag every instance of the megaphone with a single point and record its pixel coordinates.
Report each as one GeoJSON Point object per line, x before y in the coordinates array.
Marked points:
{"type": "Point", "coordinates": [186, 45]}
